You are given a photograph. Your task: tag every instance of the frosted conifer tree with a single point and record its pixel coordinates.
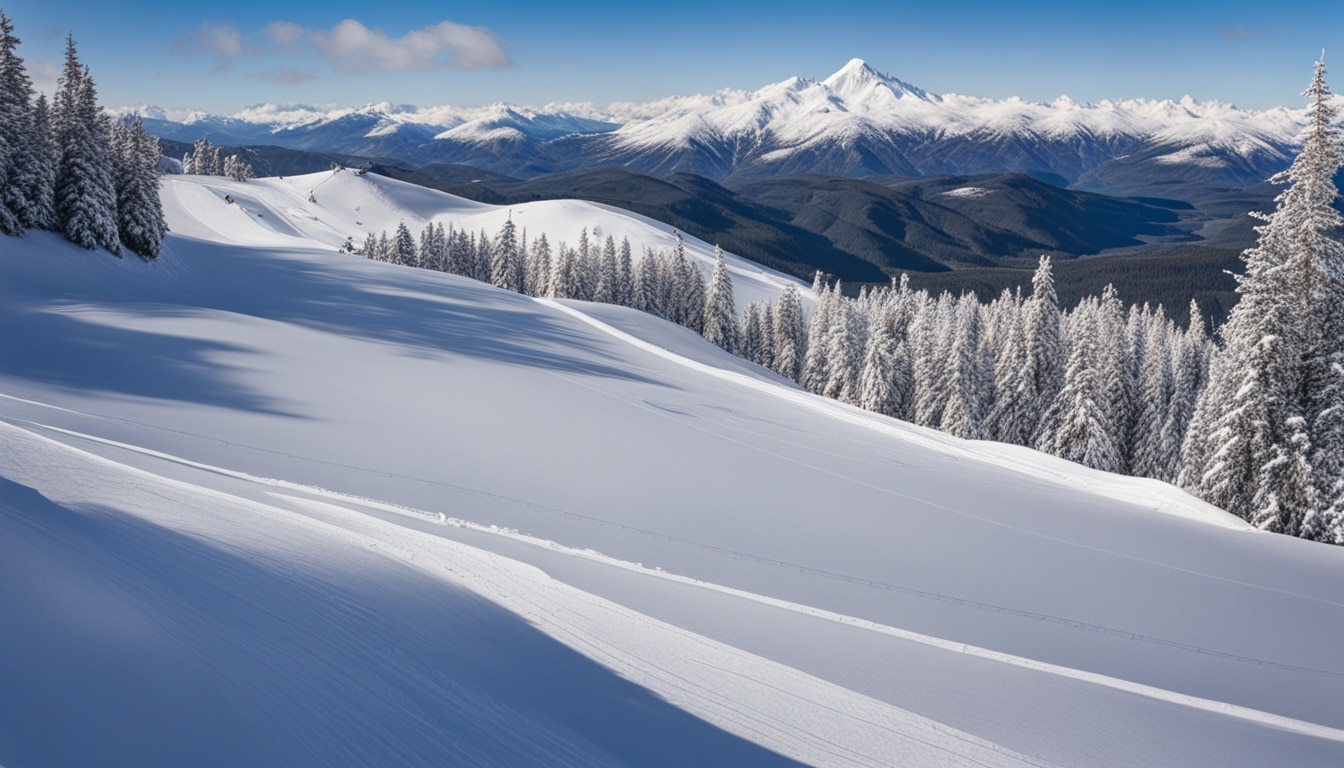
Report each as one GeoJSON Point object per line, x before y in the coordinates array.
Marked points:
{"type": "Point", "coordinates": [790, 334]}
{"type": "Point", "coordinates": [139, 211]}
{"type": "Point", "coordinates": [816, 360]}
{"type": "Point", "coordinates": [606, 288]}
{"type": "Point", "coordinates": [1250, 448]}
{"type": "Point", "coordinates": [539, 266]}
{"type": "Point", "coordinates": [1153, 404]}
{"type": "Point", "coordinates": [845, 344]}
{"type": "Point", "coordinates": [44, 152]}
{"type": "Point", "coordinates": [645, 291]}
{"type": "Point", "coordinates": [884, 381]}
{"type": "Point", "coordinates": [1045, 345]}
{"type": "Point", "coordinates": [1079, 427]}
{"type": "Point", "coordinates": [1013, 417]}
{"type": "Point", "coordinates": [931, 333]}
{"type": "Point", "coordinates": [402, 246]}
{"type": "Point", "coordinates": [85, 195]}
{"type": "Point", "coordinates": [506, 263]}
{"type": "Point", "coordinates": [720, 313]}
{"type": "Point", "coordinates": [20, 148]}
{"type": "Point", "coordinates": [964, 373]}
{"type": "Point", "coordinates": [625, 275]}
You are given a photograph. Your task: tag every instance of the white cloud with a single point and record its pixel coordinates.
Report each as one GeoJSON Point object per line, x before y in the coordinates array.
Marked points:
{"type": "Point", "coordinates": [354, 47]}
{"type": "Point", "coordinates": [285, 33]}
{"type": "Point", "coordinates": [210, 38]}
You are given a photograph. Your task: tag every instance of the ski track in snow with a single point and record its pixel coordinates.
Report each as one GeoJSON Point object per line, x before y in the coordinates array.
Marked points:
{"type": "Point", "coordinates": [774, 705]}
{"type": "Point", "coordinates": [1231, 710]}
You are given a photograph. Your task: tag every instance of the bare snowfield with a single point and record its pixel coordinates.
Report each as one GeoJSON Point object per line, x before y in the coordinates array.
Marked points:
{"type": "Point", "coordinates": [262, 503]}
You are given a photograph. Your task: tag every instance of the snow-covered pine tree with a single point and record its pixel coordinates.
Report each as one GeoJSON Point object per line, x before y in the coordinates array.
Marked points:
{"type": "Point", "coordinates": [85, 194]}
{"type": "Point", "coordinates": [584, 266]}
{"type": "Point", "coordinates": [720, 312]}
{"type": "Point", "coordinates": [884, 381]}
{"type": "Point", "coordinates": [789, 334]}
{"type": "Point", "coordinates": [506, 262]}
{"type": "Point", "coordinates": [965, 373]}
{"type": "Point", "coordinates": [1156, 382]}
{"type": "Point", "coordinates": [625, 277]}
{"type": "Point", "coordinates": [816, 367]}
{"type": "Point", "coordinates": [645, 292]}
{"type": "Point", "coordinates": [1257, 420]}
{"type": "Point", "coordinates": [1078, 427]}
{"type": "Point", "coordinates": [538, 273]}
{"type": "Point", "coordinates": [564, 273]}
{"type": "Point", "coordinates": [197, 162]}
{"type": "Point", "coordinates": [1045, 345]}
{"type": "Point", "coordinates": [608, 273]}
{"type": "Point", "coordinates": [931, 334]}
{"type": "Point", "coordinates": [424, 251]}
{"type": "Point", "coordinates": [21, 160]}
{"type": "Point", "coordinates": [240, 169]}
{"type": "Point", "coordinates": [845, 342]}
{"type": "Point", "coordinates": [139, 211]}
{"type": "Point", "coordinates": [1116, 372]}
{"type": "Point", "coordinates": [403, 246]}
{"type": "Point", "coordinates": [44, 152]}
{"type": "Point", "coordinates": [1012, 417]}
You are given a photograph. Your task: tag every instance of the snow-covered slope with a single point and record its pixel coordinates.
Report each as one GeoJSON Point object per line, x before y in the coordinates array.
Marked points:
{"type": "Point", "coordinates": [857, 122]}
{"type": "Point", "coordinates": [324, 209]}
{"type": "Point", "coordinates": [263, 503]}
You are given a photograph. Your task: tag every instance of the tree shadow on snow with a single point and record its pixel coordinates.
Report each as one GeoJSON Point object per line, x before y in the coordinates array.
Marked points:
{"type": "Point", "coordinates": [126, 643]}
{"type": "Point", "coordinates": [413, 308]}
{"type": "Point", "coordinates": [62, 349]}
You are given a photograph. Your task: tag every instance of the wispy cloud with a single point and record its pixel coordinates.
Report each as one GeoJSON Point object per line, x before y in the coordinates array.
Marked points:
{"type": "Point", "coordinates": [353, 47]}
{"type": "Point", "coordinates": [220, 40]}
{"type": "Point", "coordinates": [349, 46]}
{"type": "Point", "coordinates": [286, 34]}
{"type": "Point", "coordinates": [1238, 33]}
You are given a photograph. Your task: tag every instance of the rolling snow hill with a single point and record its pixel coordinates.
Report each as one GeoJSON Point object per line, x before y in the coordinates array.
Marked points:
{"type": "Point", "coordinates": [263, 503]}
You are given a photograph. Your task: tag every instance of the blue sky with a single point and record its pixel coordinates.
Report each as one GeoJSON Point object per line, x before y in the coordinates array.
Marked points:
{"type": "Point", "coordinates": [225, 56]}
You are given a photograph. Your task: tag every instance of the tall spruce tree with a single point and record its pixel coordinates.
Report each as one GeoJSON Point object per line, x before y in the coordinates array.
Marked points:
{"type": "Point", "coordinates": [140, 220]}
{"type": "Point", "coordinates": [85, 194]}
{"type": "Point", "coordinates": [1268, 437]}
{"type": "Point", "coordinates": [720, 313]}
{"type": "Point", "coordinates": [790, 334]}
{"type": "Point", "coordinates": [16, 140]}
{"type": "Point", "coordinates": [44, 151]}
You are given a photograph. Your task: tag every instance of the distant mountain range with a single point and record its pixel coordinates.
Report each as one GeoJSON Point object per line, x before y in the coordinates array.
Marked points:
{"type": "Point", "coordinates": [856, 123]}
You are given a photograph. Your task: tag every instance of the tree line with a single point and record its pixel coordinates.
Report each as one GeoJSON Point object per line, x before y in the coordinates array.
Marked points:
{"type": "Point", "coordinates": [69, 167]}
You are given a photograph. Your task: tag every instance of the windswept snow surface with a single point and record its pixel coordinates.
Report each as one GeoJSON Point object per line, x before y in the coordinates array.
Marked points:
{"type": "Point", "coordinates": [265, 504]}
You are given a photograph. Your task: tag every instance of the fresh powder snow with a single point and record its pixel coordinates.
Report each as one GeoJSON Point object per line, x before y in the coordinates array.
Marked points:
{"type": "Point", "coordinates": [266, 503]}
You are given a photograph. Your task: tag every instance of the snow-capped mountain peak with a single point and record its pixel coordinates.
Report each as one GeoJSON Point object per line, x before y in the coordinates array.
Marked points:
{"type": "Point", "coordinates": [856, 81]}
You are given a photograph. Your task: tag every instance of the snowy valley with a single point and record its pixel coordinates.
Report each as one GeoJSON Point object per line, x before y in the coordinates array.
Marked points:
{"type": "Point", "coordinates": [266, 503]}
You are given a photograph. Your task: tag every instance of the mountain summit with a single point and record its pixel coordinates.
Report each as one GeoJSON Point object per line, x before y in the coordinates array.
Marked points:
{"type": "Point", "coordinates": [856, 81]}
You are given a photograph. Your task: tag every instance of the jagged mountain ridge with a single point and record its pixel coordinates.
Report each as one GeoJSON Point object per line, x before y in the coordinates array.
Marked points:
{"type": "Point", "coordinates": [858, 122]}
